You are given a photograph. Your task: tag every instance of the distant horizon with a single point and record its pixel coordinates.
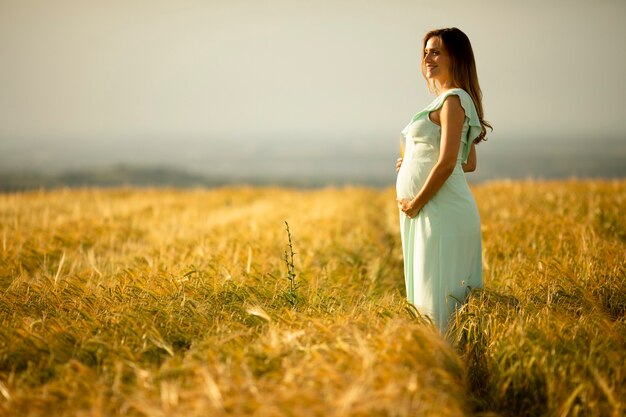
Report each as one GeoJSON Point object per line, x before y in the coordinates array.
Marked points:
{"type": "Point", "coordinates": [348, 162]}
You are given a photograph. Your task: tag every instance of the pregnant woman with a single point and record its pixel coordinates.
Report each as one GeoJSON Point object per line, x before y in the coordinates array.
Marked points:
{"type": "Point", "coordinates": [439, 222]}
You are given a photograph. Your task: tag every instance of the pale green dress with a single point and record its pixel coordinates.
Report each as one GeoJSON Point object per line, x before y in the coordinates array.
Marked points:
{"type": "Point", "coordinates": [442, 245]}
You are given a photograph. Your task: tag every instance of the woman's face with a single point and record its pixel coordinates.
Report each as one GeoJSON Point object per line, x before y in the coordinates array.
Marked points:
{"type": "Point", "coordinates": [437, 62]}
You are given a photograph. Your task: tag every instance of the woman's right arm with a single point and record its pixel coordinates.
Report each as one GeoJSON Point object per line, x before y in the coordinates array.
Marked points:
{"type": "Point", "coordinates": [398, 164]}
{"type": "Point", "coordinates": [470, 165]}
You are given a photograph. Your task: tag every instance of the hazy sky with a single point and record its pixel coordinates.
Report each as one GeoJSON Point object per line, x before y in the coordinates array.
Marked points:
{"type": "Point", "coordinates": [219, 70]}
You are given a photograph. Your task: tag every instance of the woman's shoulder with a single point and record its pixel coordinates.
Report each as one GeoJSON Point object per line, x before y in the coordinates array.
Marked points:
{"type": "Point", "coordinates": [458, 91]}
{"type": "Point", "coordinates": [466, 100]}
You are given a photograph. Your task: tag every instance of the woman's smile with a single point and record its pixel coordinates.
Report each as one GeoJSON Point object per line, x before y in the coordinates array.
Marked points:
{"type": "Point", "coordinates": [436, 61]}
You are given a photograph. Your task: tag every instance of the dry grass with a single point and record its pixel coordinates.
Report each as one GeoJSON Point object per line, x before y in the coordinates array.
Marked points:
{"type": "Point", "coordinates": [177, 303]}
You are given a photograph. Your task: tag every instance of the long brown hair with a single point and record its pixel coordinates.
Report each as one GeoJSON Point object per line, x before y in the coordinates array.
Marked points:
{"type": "Point", "coordinates": [463, 68]}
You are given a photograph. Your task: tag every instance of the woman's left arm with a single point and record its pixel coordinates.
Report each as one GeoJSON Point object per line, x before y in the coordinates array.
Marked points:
{"type": "Point", "coordinates": [452, 117]}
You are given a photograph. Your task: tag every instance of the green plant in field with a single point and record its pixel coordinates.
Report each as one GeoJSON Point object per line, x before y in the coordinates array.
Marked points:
{"type": "Point", "coordinates": [292, 295]}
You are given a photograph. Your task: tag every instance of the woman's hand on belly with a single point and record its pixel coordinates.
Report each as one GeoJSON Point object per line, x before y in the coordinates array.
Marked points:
{"type": "Point", "coordinates": [398, 164]}
{"type": "Point", "coordinates": [408, 207]}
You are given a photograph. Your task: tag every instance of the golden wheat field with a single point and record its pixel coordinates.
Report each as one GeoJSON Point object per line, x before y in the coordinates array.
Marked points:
{"type": "Point", "coordinates": [140, 302]}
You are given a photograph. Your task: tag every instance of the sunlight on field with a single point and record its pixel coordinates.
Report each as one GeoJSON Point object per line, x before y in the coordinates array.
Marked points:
{"type": "Point", "coordinates": [177, 303]}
